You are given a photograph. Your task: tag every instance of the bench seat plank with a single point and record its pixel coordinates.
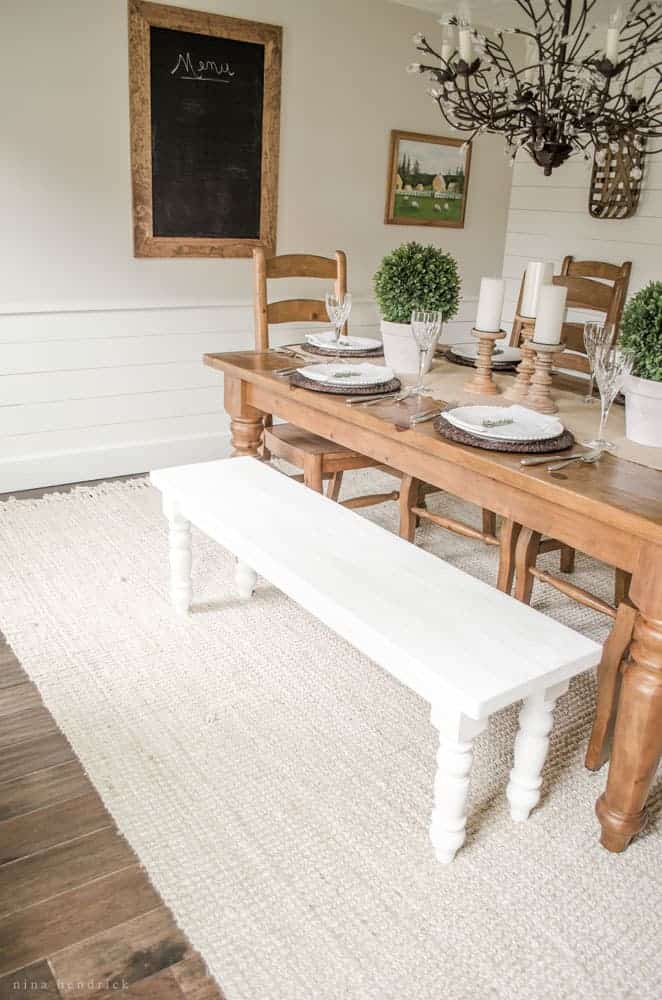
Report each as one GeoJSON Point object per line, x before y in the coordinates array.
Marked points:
{"type": "Point", "coordinates": [434, 627]}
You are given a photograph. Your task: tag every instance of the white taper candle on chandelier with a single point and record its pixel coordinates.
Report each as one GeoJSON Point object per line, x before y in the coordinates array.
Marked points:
{"type": "Point", "coordinates": [466, 50]}
{"type": "Point", "coordinates": [551, 314]}
{"type": "Point", "coordinates": [490, 305]}
{"type": "Point", "coordinates": [613, 36]}
{"type": "Point", "coordinates": [446, 49]}
{"type": "Point", "coordinates": [538, 273]}
{"type": "Point", "coordinates": [611, 51]}
{"type": "Point", "coordinates": [530, 59]}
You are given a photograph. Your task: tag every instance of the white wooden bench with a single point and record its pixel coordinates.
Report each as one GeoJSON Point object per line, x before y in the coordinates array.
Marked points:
{"type": "Point", "coordinates": [464, 646]}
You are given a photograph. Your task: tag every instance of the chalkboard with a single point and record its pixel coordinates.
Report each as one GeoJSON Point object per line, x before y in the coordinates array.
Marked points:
{"type": "Point", "coordinates": [204, 116]}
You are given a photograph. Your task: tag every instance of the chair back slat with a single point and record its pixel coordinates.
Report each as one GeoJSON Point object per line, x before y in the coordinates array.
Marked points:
{"type": "Point", "coordinates": [301, 265]}
{"type": "Point", "coordinates": [593, 269]}
{"type": "Point", "coordinates": [297, 311]}
{"type": "Point", "coordinates": [293, 310]}
{"type": "Point", "coordinates": [584, 293]}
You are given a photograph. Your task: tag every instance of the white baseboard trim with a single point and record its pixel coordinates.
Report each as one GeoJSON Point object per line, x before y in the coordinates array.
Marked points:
{"type": "Point", "coordinates": [60, 468]}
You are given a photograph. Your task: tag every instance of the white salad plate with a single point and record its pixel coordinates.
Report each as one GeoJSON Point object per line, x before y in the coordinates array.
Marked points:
{"type": "Point", "coordinates": [343, 374]}
{"type": "Point", "coordinates": [326, 341]}
{"type": "Point", "coordinates": [502, 355]}
{"type": "Point", "coordinates": [524, 424]}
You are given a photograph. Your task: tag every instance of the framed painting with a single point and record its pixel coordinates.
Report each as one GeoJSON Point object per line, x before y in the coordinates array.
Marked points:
{"type": "Point", "coordinates": [428, 180]}
{"type": "Point", "coordinates": [205, 111]}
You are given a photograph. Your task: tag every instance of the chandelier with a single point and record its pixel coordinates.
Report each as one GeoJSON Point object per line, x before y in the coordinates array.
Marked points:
{"type": "Point", "coordinates": [568, 97]}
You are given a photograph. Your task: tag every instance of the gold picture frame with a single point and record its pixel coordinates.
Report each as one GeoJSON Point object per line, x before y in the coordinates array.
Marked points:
{"type": "Point", "coordinates": [428, 180]}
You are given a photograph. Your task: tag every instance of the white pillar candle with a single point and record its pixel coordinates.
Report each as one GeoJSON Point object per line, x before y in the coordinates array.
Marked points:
{"type": "Point", "coordinates": [551, 314]}
{"type": "Point", "coordinates": [466, 51]}
{"type": "Point", "coordinates": [538, 273]}
{"type": "Point", "coordinates": [490, 305]}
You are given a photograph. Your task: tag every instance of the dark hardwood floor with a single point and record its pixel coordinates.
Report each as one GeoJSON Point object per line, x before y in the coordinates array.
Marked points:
{"type": "Point", "coordinates": [78, 916]}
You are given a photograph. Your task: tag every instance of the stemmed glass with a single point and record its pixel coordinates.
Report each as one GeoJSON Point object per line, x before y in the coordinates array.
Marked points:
{"type": "Point", "coordinates": [425, 328]}
{"type": "Point", "coordinates": [611, 371]}
{"type": "Point", "coordinates": [598, 339]}
{"type": "Point", "coordinates": [338, 308]}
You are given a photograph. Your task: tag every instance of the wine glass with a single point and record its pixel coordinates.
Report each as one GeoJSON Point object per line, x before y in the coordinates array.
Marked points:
{"type": "Point", "coordinates": [598, 338]}
{"type": "Point", "coordinates": [338, 308]}
{"type": "Point", "coordinates": [425, 327]}
{"type": "Point", "coordinates": [611, 370]}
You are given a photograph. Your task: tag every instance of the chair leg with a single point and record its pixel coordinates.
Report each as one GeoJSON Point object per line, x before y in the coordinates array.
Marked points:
{"type": "Point", "coordinates": [489, 522]}
{"type": "Point", "coordinates": [622, 583]}
{"type": "Point", "coordinates": [567, 559]}
{"type": "Point", "coordinates": [526, 554]}
{"type": "Point", "coordinates": [510, 532]}
{"type": "Point", "coordinates": [609, 685]}
{"type": "Point", "coordinates": [333, 489]}
{"type": "Point", "coordinates": [409, 494]}
{"type": "Point", "coordinates": [268, 422]}
{"type": "Point", "coordinates": [312, 472]}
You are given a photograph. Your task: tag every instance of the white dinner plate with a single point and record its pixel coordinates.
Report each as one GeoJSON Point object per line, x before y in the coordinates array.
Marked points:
{"type": "Point", "coordinates": [527, 425]}
{"type": "Point", "coordinates": [345, 374]}
{"type": "Point", "coordinates": [326, 341]}
{"type": "Point", "coordinates": [502, 355]}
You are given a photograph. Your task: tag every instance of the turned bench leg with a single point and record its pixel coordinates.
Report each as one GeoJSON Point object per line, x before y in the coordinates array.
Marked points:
{"type": "Point", "coordinates": [180, 557]}
{"type": "Point", "coordinates": [451, 785]}
{"type": "Point", "coordinates": [245, 579]}
{"type": "Point", "coordinates": [531, 745]}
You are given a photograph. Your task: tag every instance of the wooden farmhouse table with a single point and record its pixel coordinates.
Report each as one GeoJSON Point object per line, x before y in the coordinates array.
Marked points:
{"type": "Point", "coordinates": [611, 510]}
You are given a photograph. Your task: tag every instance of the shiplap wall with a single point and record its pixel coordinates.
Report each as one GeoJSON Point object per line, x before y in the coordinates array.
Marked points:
{"type": "Point", "coordinates": [100, 354]}
{"type": "Point", "coordinates": [87, 394]}
{"type": "Point", "coordinates": [549, 218]}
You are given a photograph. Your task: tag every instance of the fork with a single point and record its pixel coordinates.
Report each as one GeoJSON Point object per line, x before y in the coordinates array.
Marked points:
{"type": "Point", "coordinates": [588, 459]}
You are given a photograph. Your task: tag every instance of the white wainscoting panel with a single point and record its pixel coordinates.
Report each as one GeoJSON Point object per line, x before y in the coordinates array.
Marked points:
{"type": "Point", "coordinates": [99, 392]}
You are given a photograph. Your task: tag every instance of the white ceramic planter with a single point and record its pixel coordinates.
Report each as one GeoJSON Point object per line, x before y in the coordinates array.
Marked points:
{"type": "Point", "coordinates": [400, 350]}
{"type": "Point", "coordinates": [643, 411]}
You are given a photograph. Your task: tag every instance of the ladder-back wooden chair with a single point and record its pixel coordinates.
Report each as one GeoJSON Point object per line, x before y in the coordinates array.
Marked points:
{"type": "Point", "coordinates": [600, 288]}
{"type": "Point", "coordinates": [595, 287]}
{"type": "Point", "coordinates": [319, 458]}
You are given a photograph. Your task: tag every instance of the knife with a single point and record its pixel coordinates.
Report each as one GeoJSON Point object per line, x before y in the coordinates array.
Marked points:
{"type": "Point", "coordinates": [385, 397]}
{"type": "Point", "coordinates": [543, 459]}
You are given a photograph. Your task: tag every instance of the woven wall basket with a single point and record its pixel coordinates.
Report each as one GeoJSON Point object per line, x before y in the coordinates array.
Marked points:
{"type": "Point", "coordinates": [618, 169]}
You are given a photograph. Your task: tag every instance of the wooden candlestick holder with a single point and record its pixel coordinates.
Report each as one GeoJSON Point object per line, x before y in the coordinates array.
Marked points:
{"type": "Point", "coordinates": [519, 390]}
{"type": "Point", "coordinates": [539, 397]}
{"type": "Point", "coordinates": [483, 383]}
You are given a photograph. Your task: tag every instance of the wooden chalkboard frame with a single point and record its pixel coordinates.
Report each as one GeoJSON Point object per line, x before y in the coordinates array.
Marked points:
{"type": "Point", "coordinates": [142, 16]}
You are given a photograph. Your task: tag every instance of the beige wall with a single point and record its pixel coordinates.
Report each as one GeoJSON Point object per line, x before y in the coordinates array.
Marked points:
{"type": "Point", "coordinates": [99, 352]}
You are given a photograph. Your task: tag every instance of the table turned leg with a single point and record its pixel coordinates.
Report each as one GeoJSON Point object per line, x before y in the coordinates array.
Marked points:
{"type": "Point", "coordinates": [246, 423]}
{"type": "Point", "coordinates": [637, 742]}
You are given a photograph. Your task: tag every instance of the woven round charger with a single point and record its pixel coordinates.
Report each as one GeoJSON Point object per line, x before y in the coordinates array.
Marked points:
{"type": "Point", "coordinates": [559, 443]}
{"type": "Point", "coordinates": [373, 352]}
{"type": "Point", "coordinates": [301, 382]}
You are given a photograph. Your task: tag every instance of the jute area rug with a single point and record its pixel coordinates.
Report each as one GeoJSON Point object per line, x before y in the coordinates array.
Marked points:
{"type": "Point", "coordinates": [277, 785]}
